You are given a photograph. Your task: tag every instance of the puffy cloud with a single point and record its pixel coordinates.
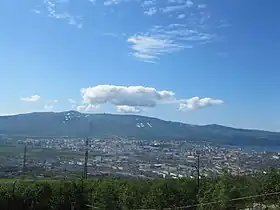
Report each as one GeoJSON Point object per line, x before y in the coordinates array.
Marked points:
{"type": "Point", "coordinates": [198, 103]}
{"type": "Point", "coordinates": [31, 98]}
{"type": "Point", "coordinates": [131, 99]}
{"type": "Point", "coordinates": [124, 95]}
{"type": "Point", "coordinates": [128, 109]}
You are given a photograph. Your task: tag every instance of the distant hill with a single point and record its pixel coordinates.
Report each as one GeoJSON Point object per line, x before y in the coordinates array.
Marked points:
{"type": "Point", "coordinates": [77, 124]}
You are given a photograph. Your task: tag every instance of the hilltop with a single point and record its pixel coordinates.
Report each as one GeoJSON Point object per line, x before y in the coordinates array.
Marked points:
{"type": "Point", "coordinates": [76, 124]}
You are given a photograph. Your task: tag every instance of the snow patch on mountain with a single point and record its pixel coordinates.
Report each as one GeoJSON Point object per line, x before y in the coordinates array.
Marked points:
{"type": "Point", "coordinates": [68, 116]}
{"type": "Point", "coordinates": [143, 124]}
{"type": "Point", "coordinates": [140, 125]}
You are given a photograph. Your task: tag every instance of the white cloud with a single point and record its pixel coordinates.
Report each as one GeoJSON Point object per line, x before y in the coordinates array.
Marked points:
{"type": "Point", "coordinates": [110, 2]}
{"type": "Point", "coordinates": [92, 1]}
{"type": "Point", "coordinates": [189, 3]}
{"type": "Point", "coordinates": [36, 11]}
{"type": "Point", "coordinates": [148, 3]}
{"type": "Point", "coordinates": [161, 40]}
{"type": "Point", "coordinates": [87, 107]}
{"type": "Point", "coordinates": [80, 108]}
{"type": "Point", "coordinates": [128, 109]}
{"type": "Point", "coordinates": [198, 103]}
{"type": "Point", "coordinates": [176, 1]}
{"type": "Point", "coordinates": [181, 16]}
{"type": "Point", "coordinates": [58, 10]}
{"type": "Point", "coordinates": [149, 48]}
{"type": "Point", "coordinates": [111, 34]}
{"type": "Point", "coordinates": [223, 24]}
{"type": "Point", "coordinates": [124, 95]}
{"type": "Point", "coordinates": [132, 99]}
{"type": "Point", "coordinates": [114, 2]}
{"type": "Point", "coordinates": [150, 45]}
{"type": "Point", "coordinates": [148, 58]}
{"type": "Point", "coordinates": [173, 8]}
{"type": "Point", "coordinates": [12, 114]}
{"type": "Point", "coordinates": [48, 107]}
{"type": "Point", "coordinates": [31, 98]}
{"type": "Point", "coordinates": [50, 104]}
{"type": "Point", "coordinates": [72, 101]}
{"type": "Point", "coordinates": [202, 6]}
{"type": "Point", "coordinates": [186, 4]}
{"type": "Point", "coordinates": [151, 11]}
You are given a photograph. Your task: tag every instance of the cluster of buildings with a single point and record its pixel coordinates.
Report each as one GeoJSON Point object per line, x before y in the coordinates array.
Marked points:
{"type": "Point", "coordinates": [127, 157]}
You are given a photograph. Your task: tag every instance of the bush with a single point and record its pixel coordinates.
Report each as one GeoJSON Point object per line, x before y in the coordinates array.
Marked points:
{"type": "Point", "coordinates": [138, 194]}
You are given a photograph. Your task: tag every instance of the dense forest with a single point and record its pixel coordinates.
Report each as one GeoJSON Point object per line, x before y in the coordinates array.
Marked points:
{"type": "Point", "coordinates": [224, 192]}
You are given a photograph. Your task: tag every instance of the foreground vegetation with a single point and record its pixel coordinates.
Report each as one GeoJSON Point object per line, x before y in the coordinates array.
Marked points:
{"type": "Point", "coordinates": [219, 193]}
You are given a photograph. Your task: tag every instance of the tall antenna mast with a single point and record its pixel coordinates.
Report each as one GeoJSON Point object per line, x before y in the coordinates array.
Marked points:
{"type": "Point", "coordinates": [86, 160]}
{"type": "Point", "coordinates": [85, 172]}
{"type": "Point", "coordinates": [45, 167]}
{"type": "Point", "coordinates": [198, 171]}
{"type": "Point", "coordinates": [24, 158]}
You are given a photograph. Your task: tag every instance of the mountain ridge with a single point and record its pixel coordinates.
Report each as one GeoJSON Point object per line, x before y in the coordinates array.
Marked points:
{"type": "Point", "coordinates": [76, 124]}
{"type": "Point", "coordinates": [134, 115]}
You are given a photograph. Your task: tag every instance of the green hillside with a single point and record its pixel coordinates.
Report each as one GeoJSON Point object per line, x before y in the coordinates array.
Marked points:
{"type": "Point", "coordinates": [76, 124]}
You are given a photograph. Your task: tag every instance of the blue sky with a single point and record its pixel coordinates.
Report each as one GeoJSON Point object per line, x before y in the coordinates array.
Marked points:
{"type": "Point", "coordinates": [195, 61]}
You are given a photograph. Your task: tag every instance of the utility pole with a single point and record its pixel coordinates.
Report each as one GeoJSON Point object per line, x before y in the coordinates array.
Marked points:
{"type": "Point", "coordinates": [86, 151]}
{"type": "Point", "coordinates": [86, 160]}
{"type": "Point", "coordinates": [24, 159]}
{"type": "Point", "coordinates": [45, 167]}
{"type": "Point", "coordinates": [197, 167]}
{"type": "Point", "coordinates": [198, 174]}
{"type": "Point", "coordinates": [64, 177]}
